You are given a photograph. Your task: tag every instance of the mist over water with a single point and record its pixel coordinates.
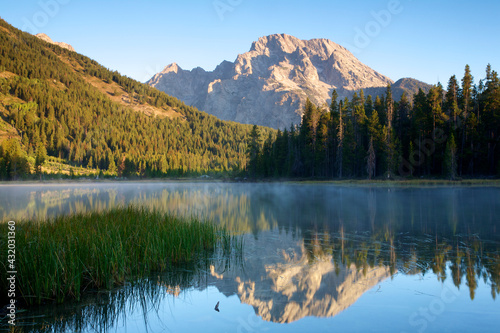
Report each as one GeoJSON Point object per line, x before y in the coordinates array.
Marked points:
{"type": "Point", "coordinates": [311, 253]}
{"type": "Point", "coordinates": [258, 207]}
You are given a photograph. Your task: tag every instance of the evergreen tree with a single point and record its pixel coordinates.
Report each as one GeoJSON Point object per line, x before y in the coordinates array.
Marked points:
{"type": "Point", "coordinates": [371, 160]}
{"type": "Point", "coordinates": [368, 106]}
{"type": "Point", "coordinates": [112, 166]}
{"type": "Point", "coordinates": [333, 133]}
{"type": "Point", "coordinates": [376, 134]}
{"type": "Point", "coordinates": [360, 132]}
{"type": "Point", "coordinates": [310, 121]}
{"type": "Point", "coordinates": [389, 134]}
{"type": "Point", "coordinates": [451, 102]}
{"type": "Point", "coordinates": [322, 145]}
{"type": "Point", "coordinates": [40, 157]}
{"type": "Point", "coordinates": [439, 118]}
{"type": "Point", "coordinates": [468, 122]}
{"type": "Point", "coordinates": [340, 140]}
{"type": "Point", "coordinates": [450, 159]}
{"type": "Point", "coordinates": [491, 119]}
{"type": "Point", "coordinates": [254, 150]}
{"type": "Point", "coordinates": [390, 106]}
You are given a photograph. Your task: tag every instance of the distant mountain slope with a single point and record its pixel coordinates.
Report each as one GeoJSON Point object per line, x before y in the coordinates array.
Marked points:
{"type": "Point", "coordinates": [49, 40]}
{"type": "Point", "coordinates": [85, 114]}
{"type": "Point", "coordinates": [269, 84]}
{"type": "Point", "coordinates": [408, 86]}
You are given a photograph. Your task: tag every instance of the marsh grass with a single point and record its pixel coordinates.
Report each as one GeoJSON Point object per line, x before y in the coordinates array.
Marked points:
{"type": "Point", "coordinates": [61, 258]}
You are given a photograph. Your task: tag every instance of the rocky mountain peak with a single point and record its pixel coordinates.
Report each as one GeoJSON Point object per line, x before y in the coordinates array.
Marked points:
{"type": "Point", "coordinates": [276, 43]}
{"type": "Point", "coordinates": [173, 67]}
{"type": "Point", "coordinates": [269, 84]}
{"type": "Point", "coordinates": [46, 38]}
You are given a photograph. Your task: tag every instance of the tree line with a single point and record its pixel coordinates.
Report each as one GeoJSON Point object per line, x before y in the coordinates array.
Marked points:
{"type": "Point", "coordinates": [452, 133]}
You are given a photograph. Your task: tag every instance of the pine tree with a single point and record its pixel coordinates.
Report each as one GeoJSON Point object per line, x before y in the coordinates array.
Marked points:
{"type": "Point", "coordinates": [450, 159]}
{"type": "Point", "coordinates": [371, 160]}
{"type": "Point", "coordinates": [322, 145]}
{"type": "Point", "coordinates": [310, 121]}
{"type": "Point", "coordinates": [375, 132]}
{"type": "Point", "coordinates": [360, 131]}
{"type": "Point", "coordinates": [439, 118]}
{"type": "Point", "coordinates": [491, 118]}
{"type": "Point", "coordinates": [390, 106]}
{"type": "Point", "coordinates": [467, 118]}
{"type": "Point", "coordinates": [40, 157]}
{"type": "Point", "coordinates": [369, 106]}
{"type": "Point", "coordinates": [253, 150]}
{"type": "Point", "coordinates": [340, 140]}
{"type": "Point", "coordinates": [451, 102]}
{"type": "Point", "coordinates": [333, 132]}
{"type": "Point", "coordinates": [389, 139]}
{"type": "Point", "coordinates": [112, 166]}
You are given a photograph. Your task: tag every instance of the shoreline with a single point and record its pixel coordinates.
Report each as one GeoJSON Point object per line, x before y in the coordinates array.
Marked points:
{"type": "Point", "coordinates": [342, 182]}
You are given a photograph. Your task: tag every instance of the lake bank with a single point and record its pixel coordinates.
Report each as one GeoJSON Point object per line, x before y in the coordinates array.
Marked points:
{"type": "Point", "coordinates": [364, 182]}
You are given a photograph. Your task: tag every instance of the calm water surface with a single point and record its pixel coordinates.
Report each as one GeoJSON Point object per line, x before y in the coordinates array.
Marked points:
{"type": "Point", "coordinates": [316, 258]}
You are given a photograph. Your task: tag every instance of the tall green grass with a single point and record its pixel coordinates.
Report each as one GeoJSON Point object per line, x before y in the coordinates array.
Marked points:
{"type": "Point", "coordinates": [63, 257]}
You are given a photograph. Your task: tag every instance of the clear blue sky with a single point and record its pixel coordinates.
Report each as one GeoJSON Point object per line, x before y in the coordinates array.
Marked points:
{"type": "Point", "coordinates": [424, 39]}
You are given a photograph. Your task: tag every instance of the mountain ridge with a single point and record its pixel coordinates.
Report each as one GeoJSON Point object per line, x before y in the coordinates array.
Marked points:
{"type": "Point", "coordinates": [268, 85]}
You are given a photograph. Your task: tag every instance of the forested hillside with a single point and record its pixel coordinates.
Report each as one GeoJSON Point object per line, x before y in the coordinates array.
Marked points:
{"type": "Point", "coordinates": [55, 102]}
{"type": "Point", "coordinates": [452, 132]}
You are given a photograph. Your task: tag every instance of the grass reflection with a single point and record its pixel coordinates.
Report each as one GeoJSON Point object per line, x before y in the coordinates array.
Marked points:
{"type": "Point", "coordinates": [103, 311]}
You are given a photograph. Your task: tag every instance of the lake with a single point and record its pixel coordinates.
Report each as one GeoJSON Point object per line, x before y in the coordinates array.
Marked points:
{"type": "Point", "coordinates": [319, 257]}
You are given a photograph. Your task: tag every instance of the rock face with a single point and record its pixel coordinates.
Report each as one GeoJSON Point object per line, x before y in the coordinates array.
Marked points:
{"type": "Point", "coordinates": [269, 84]}
{"type": "Point", "coordinates": [49, 40]}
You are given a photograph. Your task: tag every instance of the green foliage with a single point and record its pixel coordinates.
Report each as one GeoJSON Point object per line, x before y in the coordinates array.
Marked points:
{"type": "Point", "coordinates": [454, 134]}
{"type": "Point", "coordinates": [41, 156]}
{"type": "Point", "coordinates": [14, 162]}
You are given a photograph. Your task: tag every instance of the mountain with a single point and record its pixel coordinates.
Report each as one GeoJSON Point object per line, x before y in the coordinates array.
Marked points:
{"type": "Point", "coordinates": [46, 38]}
{"type": "Point", "coordinates": [60, 105]}
{"type": "Point", "coordinates": [269, 84]}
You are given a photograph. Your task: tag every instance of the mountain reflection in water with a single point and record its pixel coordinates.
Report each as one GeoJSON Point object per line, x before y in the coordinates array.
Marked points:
{"type": "Point", "coordinates": [309, 250]}
{"type": "Point", "coordinates": [284, 283]}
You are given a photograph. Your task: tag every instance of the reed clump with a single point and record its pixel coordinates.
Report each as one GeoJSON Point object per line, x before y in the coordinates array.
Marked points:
{"type": "Point", "coordinates": [63, 257]}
